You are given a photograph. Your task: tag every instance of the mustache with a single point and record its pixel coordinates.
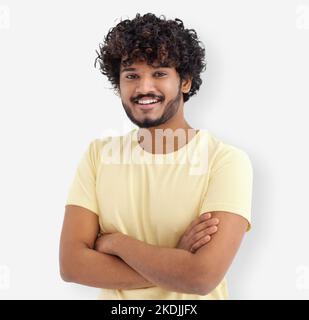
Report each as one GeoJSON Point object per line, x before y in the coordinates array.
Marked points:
{"type": "Point", "coordinates": [150, 95]}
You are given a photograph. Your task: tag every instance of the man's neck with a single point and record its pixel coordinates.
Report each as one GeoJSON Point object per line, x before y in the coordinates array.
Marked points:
{"type": "Point", "coordinates": [165, 139]}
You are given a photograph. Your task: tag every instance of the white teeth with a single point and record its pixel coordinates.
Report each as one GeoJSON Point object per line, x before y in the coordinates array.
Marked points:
{"type": "Point", "coordinates": [147, 101]}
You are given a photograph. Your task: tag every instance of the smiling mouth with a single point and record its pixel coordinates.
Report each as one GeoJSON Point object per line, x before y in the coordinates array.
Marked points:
{"type": "Point", "coordinates": [147, 104]}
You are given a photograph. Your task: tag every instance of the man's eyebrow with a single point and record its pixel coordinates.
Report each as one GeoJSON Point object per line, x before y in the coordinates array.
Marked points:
{"type": "Point", "coordinates": [134, 69]}
{"type": "Point", "coordinates": [128, 69]}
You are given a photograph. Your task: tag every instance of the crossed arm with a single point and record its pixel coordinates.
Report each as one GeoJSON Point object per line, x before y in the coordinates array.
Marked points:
{"type": "Point", "coordinates": [128, 263]}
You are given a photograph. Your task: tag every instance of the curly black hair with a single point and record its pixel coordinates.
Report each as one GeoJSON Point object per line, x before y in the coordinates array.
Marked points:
{"type": "Point", "coordinates": [154, 40]}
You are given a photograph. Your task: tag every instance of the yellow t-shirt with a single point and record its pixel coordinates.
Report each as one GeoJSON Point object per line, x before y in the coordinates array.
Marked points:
{"type": "Point", "coordinates": [154, 197]}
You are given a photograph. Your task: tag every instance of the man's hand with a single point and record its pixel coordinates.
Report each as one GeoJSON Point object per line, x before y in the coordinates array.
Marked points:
{"type": "Point", "coordinates": [198, 233]}
{"type": "Point", "coordinates": [104, 242]}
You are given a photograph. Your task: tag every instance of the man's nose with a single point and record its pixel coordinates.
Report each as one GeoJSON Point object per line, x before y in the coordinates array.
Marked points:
{"type": "Point", "coordinates": [145, 85]}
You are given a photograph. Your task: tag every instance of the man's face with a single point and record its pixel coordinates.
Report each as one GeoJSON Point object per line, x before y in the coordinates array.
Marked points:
{"type": "Point", "coordinates": [150, 95]}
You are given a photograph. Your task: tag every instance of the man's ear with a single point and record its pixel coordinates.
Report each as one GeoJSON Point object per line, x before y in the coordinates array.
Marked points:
{"type": "Point", "coordinates": [186, 84]}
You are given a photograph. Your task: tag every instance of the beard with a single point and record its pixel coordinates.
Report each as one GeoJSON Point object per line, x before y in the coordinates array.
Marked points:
{"type": "Point", "coordinates": [170, 110]}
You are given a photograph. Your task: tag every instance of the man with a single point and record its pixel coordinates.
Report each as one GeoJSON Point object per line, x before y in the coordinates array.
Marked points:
{"type": "Point", "coordinates": [142, 206]}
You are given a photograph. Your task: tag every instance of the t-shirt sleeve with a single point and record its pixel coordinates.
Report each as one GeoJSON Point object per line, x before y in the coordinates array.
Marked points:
{"type": "Point", "coordinates": [230, 184]}
{"type": "Point", "coordinates": [83, 188]}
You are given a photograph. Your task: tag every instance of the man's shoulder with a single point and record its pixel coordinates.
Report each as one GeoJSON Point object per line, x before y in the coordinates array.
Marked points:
{"type": "Point", "coordinates": [224, 152]}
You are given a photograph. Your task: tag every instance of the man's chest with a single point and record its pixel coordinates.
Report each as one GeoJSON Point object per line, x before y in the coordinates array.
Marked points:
{"type": "Point", "coordinates": [155, 202]}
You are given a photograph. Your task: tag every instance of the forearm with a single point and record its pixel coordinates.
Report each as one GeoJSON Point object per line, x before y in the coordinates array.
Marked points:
{"type": "Point", "coordinates": [169, 268]}
{"type": "Point", "coordinates": [92, 268]}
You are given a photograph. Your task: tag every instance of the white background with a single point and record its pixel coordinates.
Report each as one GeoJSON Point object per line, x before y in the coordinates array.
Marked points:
{"type": "Point", "coordinates": [54, 102]}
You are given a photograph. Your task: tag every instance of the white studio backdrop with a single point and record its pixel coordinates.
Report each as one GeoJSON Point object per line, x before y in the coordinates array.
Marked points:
{"type": "Point", "coordinates": [53, 102]}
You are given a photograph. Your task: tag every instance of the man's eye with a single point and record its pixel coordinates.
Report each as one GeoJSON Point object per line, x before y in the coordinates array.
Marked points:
{"type": "Point", "coordinates": [160, 74]}
{"type": "Point", "coordinates": [131, 76]}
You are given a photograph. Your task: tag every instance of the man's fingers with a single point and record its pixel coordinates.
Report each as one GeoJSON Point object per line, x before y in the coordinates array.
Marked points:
{"type": "Point", "coordinates": [198, 220]}
{"type": "Point", "coordinates": [211, 230]}
{"type": "Point", "coordinates": [204, 225]}
{"type": "Point", "coordinates": [203, 233]}
{"type": "Point", "coordinates": [209, 223]}
{"type": "Point", "coordinates": [202, 237]}
{"type": "Point", "coordinates": [200, 243]}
